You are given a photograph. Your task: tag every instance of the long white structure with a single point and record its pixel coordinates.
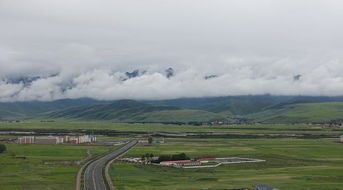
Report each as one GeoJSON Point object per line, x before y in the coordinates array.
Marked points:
{"type": "Point", "coordinates": [56, 139]}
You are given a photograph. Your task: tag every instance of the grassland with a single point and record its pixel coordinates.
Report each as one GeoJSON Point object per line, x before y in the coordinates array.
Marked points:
{"type": "Point", "coordinates": [131, 111]}
{"type": "Point", "coordinates": [42, 167]}
{"type": "Point", "coordinates": [266, 109]}
{"type": "Point", "coordinates": [184, 115]}
{"type": "Point", "coordinates": [302, 113]}
{"type": "Point", "coordinates": [304, 164]}
{"type": "Point", "coordinates": [120, 127]}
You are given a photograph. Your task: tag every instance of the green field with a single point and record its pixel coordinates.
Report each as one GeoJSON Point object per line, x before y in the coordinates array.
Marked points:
{"type": "Point", "coordinates": [40, 167]}
{"type": "Point", "coordinates": [292, 163]}
{"type": "Point", "coordinates": [238, 129]}
{"type": "Point", "coordinates": [304, 164]}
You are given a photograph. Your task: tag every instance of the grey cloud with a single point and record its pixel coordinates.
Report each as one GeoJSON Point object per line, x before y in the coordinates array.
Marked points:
{"type": "Point", "coordinates": [84, 48]}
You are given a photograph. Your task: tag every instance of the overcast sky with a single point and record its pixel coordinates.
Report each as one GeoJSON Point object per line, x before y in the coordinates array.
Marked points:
{"type": "Point", "coordinates": [82, 48]}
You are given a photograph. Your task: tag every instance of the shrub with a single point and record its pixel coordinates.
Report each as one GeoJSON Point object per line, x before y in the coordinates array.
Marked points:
{"type": "Point", "coordinates": [2, 148]}
{"type": "Point", "coordinates": [150, 140]}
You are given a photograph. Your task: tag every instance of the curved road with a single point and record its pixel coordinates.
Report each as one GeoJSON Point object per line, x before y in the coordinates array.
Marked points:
{"type": "Point", "coordinates": [93, 175]}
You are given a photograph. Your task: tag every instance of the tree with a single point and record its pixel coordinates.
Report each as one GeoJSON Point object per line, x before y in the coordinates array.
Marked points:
{"type": "Point", "coordinates": [150, 140]}
{"type": "Point", "coordinates": [181, 156]}
{"type": "Point", "coordinates": [174, 157]}
{"type": "Point", "coordinates": [164, 158]}
{"type": "Point", "coordinates": [2, 148]}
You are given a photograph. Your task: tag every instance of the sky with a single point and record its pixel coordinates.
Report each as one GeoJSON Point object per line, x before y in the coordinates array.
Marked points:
{"type": "Point", "coordinates": [165, 49]}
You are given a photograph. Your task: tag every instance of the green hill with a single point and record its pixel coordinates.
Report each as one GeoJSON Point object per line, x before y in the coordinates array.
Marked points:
{"type": "Point", "coordinates": [134, 111]}
{"type": "Point", "coordinates": [301, 113]}
{"type": "Point", "coordinates": [230, 105]}
{"type": "Point", "coordinates": [19, 110]}
{"type": "Point", "coordinates": [268, 109]}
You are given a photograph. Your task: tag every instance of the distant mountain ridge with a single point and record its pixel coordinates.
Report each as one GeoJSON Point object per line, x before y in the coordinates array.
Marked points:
{"type": "Point", "coordinates": [264, 108]}
{"type": "Point", "coordinates": [134, 111]}
{"type": "Point", "coordinates": [319, 112]}
{"type": "Point", "coordinates": [241, 105]}
{"type": "Point", "coordinates": [31, 108]}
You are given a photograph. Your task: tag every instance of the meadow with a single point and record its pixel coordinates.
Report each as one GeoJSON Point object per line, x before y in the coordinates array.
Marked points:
{"type": "Point", "coordinates": [40, 167]}
{"type": "Point", "coordinates": [304, 164]}
{"type": "Point", "coordinates": [125, 127]}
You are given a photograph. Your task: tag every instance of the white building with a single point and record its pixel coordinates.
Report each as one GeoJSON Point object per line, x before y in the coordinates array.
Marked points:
{"type": "Point", "coordinates": [48, 140]}
{"type": "Point", "coordinates": [26, 140]}
{"type": "Point", "coordinates": [82, 139]}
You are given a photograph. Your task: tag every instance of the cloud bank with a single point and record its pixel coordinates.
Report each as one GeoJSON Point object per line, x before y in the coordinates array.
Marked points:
{"type": "Point", "coordinates": [159, 49]}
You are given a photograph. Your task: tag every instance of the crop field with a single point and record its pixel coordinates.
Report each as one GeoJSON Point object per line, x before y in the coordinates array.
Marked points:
{"type": "Point", "coordinates": [40, 167]}
{"type": "Point", "coordinates": [304, 164]}
{"type": "Point", "coordinates": [239, 129]}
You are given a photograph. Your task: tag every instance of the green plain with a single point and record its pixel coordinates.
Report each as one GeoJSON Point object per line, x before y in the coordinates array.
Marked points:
{"type": "Point", "coordinates": [292, 163]}
{"type": "Point", "coordinates": [304, 164]}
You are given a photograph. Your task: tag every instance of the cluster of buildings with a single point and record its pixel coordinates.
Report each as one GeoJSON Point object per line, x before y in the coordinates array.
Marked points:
{"type": "Point", "coordinates": [9, 121]}
{"type": "Point", "coordinates": [332, 125]}
{"type": "Point", "coordinates": [56, 139]}
{"type": "Point", "coordinates": [195, 163]}
{"type": "Point", "coordinates": [181, 163]}
{"type": "Point", "coordinates": [135, 160]}
{"type": "Point", "coordinates": [208, 162]}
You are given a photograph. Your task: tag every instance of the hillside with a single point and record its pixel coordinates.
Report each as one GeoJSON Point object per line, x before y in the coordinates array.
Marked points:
{"type": "Point", "coordinates": [301, 113]}
{"type": "Point", "coordinates": [230, 105]}
{"type": "Point", "coordinates": [11, 110]}
{"type": "Point", "coordinates": [269, 109]}
{"type": "Point", "coordinates": [184, 115]}
{"type": "Point", "coordinates": [134, 111]}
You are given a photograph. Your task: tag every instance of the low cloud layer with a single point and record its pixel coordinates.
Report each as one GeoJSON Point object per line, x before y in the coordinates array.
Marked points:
{"type": "Point", "coordinates": [153, 49]}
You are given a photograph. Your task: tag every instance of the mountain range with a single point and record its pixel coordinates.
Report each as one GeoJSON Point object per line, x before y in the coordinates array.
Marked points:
{"type": "Point", "coordinates": [264, 108]}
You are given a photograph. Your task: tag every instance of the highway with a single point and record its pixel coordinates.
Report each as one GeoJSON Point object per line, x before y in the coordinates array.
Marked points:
{"type": "Point", "coordinates": [93, 173]}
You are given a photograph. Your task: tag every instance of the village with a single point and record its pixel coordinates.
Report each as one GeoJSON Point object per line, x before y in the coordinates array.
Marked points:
{"type": "Point", "coordinates": [56, 139]}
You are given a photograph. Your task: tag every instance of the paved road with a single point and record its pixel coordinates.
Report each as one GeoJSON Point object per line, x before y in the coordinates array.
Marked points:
{"type": "Point", "coordinates": [93, 175]}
